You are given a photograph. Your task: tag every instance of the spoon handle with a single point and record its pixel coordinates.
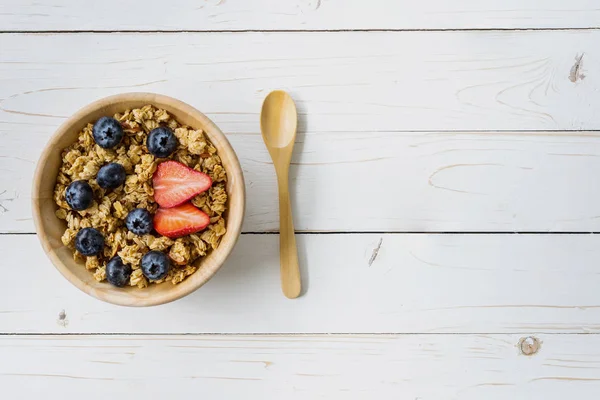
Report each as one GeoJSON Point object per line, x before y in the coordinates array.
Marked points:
{"type": "Point", "coordinates": [288, 253]}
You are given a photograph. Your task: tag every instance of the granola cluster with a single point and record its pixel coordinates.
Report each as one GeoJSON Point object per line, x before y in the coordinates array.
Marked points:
{"type": "Point", "coordinates": [83, 159]}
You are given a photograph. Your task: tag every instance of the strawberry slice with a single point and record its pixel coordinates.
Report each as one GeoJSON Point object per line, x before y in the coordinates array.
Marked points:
{"type": "Point", "coordinates": [179, 221]}
{"type": "Point", "coordinates": [174, 183]}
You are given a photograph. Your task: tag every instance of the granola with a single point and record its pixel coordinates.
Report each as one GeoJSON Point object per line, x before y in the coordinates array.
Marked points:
{"type": "Point", "coordinates": [82, 161]}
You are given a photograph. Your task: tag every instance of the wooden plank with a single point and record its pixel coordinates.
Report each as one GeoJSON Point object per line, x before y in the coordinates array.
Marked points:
{"type": "Point", "coordinates": [391, 181]}
{"type": "Point", "coordinates": [346, 81]}
{"type": "Point", "coordinates": [361, 96]}
{"type": "Point", "coordinates": [301, 367]}
{"type": "Point", "coordinates": [210, 15]}
{"type": "Point", "coordinates": [415, 283]}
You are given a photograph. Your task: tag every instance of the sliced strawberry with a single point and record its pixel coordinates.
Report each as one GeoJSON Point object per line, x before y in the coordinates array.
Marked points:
{"type": "Point", "coordinates": [179, 221]}
{"type": "Point", "coordinates": [174, 183]}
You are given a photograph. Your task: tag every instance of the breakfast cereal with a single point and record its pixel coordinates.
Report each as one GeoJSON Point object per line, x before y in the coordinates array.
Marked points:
{"type": "Point", "coordinates": [107, 212]}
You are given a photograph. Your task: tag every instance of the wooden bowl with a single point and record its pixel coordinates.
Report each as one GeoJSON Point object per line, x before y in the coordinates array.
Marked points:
{"type": "Point", "coordinates": [50, 228]}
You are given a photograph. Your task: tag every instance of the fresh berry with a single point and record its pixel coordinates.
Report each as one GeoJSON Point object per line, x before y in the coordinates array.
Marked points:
{"type": "Point", "coordinates": [155, 265]}
{"type": "Point", "coordinates": [139, 221]}
{"type": "Point", "coordinates": [162, 142]}
{"type": "Point", "coordinates": [111, 175]}
{"type": "Point", "coordinates": [180, 221]}
{"type": "Point", "coordinates": [117, 273]}
{"type": "Point", "coordinates": [89, 241]}
{"type": "Point", "coordinates": [174, 183]}
{"type": "Point", "coordinates": [107, 132]}
{"type": "Point", "coordinates": [79, 195]}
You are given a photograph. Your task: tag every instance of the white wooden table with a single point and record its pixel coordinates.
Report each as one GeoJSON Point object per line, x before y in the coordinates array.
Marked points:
{"type": "Point", "coordinates": [445, 191]}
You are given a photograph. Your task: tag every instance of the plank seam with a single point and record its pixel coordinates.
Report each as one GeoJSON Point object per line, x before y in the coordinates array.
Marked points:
{"type": "Point", "coordinates": [297, 334]}
{"type": "Point", "coordinates": [591, 28]}
{"type": "Point", "coordinates": [473, 233]}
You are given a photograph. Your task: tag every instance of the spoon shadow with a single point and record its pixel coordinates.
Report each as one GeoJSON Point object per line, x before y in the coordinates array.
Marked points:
{"type": "Point", "coordinates": [295, 169]}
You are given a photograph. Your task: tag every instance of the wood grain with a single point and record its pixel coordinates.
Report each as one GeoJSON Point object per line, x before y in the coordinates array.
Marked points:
{"type": "Point", "coordinates": [434, 181]}
{"type": "Point", "coordinates": [301, 367]}
{"type": "Point", "coordinates": [361, 96]}
{"type": "Point", "coordinates": [344, 81]}
{"type": "Point", "coordinates": [355, 283]}
{"type": "Point", "coordinates": [210, 15]}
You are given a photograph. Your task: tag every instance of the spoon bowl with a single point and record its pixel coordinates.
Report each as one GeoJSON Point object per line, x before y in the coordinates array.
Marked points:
{"type": "Point", "coordinates": [278, 119]}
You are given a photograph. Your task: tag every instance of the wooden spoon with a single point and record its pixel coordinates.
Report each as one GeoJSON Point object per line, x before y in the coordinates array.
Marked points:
{"type": "Point", "coordinates": [278, 121]}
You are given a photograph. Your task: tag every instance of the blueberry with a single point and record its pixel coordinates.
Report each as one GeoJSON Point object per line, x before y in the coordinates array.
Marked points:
{"type": "Point", "coordinates": [117, 273]}
{"type": "Point", "coordinates": [79, 195]}
{"type": "Point", "coordinates": [111, 175]}
{"type": "Point", "coordinates": [155, 265]}
{"type": "Point", "coordinates": [139, 221]}
{"type": "Point", "coordinates": [89, 241]}
{"type": "Point", "coordinates": [107, 132]}
{"type": "Point", "coordinates": [161, 142]}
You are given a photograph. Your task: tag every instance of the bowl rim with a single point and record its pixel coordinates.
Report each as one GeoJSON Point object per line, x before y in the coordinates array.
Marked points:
{"type": "Point", "coordinates": [124, 298]}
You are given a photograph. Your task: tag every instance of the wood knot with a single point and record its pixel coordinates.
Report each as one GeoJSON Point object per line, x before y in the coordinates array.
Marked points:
{"type": "Point", "coordinates": [62, 319]}
{"type": "Point", "coordinates": [576, 73]}
{"type": "Point", "coordinates": [309, 5]}
{"type": "Point", "coordinates": [529, 345]}
{"type": "Point", "coordinates": [375, 252]}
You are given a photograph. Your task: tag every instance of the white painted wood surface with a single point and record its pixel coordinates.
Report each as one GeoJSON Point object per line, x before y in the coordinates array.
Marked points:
{"type": "Point", "coordinates": [428, 182]}
{"type": "Point", "coordinates": [342, 81]}
{"type": "Point", "coordinates": [416, 283]}
{"type": "Point", "coordinates": [417, 111]}
{"type": "Point", "coordinates": [300, 367]}
{"type": "Point", "coordinates": [207, 15]}
{"type": "Point", "coordinates": [447, 116]}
